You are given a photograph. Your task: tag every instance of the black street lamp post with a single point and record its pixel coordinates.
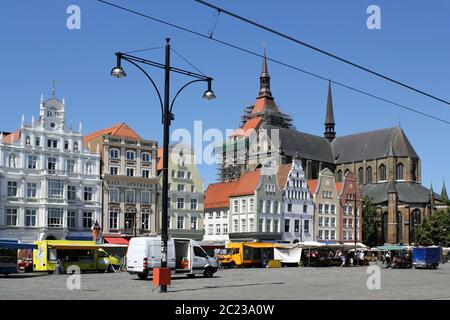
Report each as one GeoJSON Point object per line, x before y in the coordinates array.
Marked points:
{"type": "Point", "coordinates": [167, 117]}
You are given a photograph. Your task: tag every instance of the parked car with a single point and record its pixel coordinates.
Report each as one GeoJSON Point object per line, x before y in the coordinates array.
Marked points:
{"type": "Point", "coordinates": [185, 256]}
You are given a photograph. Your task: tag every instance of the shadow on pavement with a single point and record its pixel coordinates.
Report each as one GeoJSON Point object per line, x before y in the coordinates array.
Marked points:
{"type": "Point", "coordinates": [230, 286]}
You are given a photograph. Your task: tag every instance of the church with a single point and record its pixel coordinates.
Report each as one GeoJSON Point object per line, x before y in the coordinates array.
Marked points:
{"type": "Point", "coordinates": [387, 167]}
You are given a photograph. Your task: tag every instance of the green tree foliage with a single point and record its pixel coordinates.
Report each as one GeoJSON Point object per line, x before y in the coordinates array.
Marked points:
{"type": "Point", "coordinates": [435, 230]}
{"type": "Point", "coordinates": [369, 231]}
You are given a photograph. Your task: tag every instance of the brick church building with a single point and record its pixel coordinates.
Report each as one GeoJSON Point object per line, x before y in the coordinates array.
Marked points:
{"type": "Point", "coordinates": [385, 164]}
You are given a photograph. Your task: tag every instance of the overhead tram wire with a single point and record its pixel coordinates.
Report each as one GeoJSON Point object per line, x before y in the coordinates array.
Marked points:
{"type": "Point", "coordinates": [277, 62]}
{"type": "Point", "coordinates": [327, 53]}
{"type": "Point", "coordinates": [146, 49]}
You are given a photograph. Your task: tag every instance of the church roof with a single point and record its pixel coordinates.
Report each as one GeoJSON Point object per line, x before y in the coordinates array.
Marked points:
{"type": "Point", "coordinates": [372, 145]}
{"type": "Point", "coordinates": [119, 130]}
{"type": "Point", "coordinates": [408, 192]}
{"type": "Point", "coordinates": [303, 145]}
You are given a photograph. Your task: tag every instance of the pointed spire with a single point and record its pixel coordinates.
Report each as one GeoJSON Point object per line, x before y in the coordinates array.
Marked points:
{"type": "Point", "coordinates": [431, 189]}
{"type": "Point", "coordinates": [444, 194]}
{"type": "Point", "coordinates": [329, 134]}
{"type": "Point", "coordinates": [264, 79]}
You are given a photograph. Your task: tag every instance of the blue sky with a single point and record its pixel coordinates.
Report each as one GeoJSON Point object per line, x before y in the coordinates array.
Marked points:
{"type": "Point", "coordinates": [413, 46]}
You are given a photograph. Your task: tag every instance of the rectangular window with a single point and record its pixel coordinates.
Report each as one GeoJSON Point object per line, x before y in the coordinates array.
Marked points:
{"type": "Point", "coordinates": [55, 189]}
{"type": "Point", "coordinates": [173, 173]}
{"type": "Point", "coordinates": [243, 225]}
{"type": "Point", "coordinates": [71, 219]}
{"type": "Point", "coordinates": [333, 234]}
{"type": "Point", "coordinates": [251, 205]}
{"type": "Point", "coordinates": [327, 234]}
{"type": "Point", "coordinates": [275, 205]}
{"type": "Point", "coordinates": [145, 173]}
{"type": "Point", "coordinates": [333, 209]}
{"type": "Point", "coordinates": [218, 229]}
{"type": "Point", "coordinates": [320, 235]}
{"type": "Point", "coordinates": [192, 188]}
{"type": "Point", "coordinates": [275, 225]}
{"type": "Point", "coordinates": [350, 210]}
{"type": "Point", "coordinates": [287, 226]}
{"type": "Point", "coordinates": [180, 187]}
{"type": "Point", "coordinates": [305, 208]}
{"type": "Point", "coordinates": [114, 171]}
{"type": "Point", "coordinates": [130, 172]}
{"type": "Point", "coordinates": [88, 192]}
{"type": "Point", "coordinates": [31, 190]}
{"type": "Point", "coordinates": [320, 208]}
{"type": "Point", "coordinates": [114, 195]}
{"type": "Point", "coordinates": [225, 214]}
{"type": "Point", "coordinates": [145, 197]}
{"type": "Point", "coordinates": [129, 196]}
{"type": "Point", "coordinates": [113, 219]}
{"type": "Point", "coordinates": [131, 155]}
{"type": "Point", "coordinates": [327, 208]}
{"type": "Point", "coordinates": [297, 226]}
{"type": "Point", "coordinates": [218, 215]}
{"type": "Point", "coordinates": [70, 166]}
{"type": "Point", "coordinates": [261, 205]}
{"type": "Point", "coordinates": [243, 206]}
{"type": "Point", "coordinates": [251, 224]}
{"type": "Point", "coordinates": [333, 222]}
{"type": "Point", "coordinates": [320, 221]}
{"type": "Point", "coordinates": [55, 218]}
{"type": "Point", "coordinates": [306, 226]}
{"type": "Point", "coordinates": [235, 206]}
{"type": "Point", "coordinates": [194, 223]}
{"type": "Point", "coordinates": [194, 204]}
{"type": "Point", "coordinates": [180, 174]}
{"type": "Point", "coordinates": [114, 153]}
{"type": "Point", "coordinates": [71, 193]}
{"type": "Point", "coordinates": [211, 229]}
{"type": "Point", "coordinates": [225, 229]}
{"type": "Point", "coordinates": [11, 217]}
{"type": "Point", "coordinates": [51, 143]}
{"type": "Point", "coordinates": [30, 217]}
{"type": "Point", "coordinates": [235, 226]}
{"type": "Point", "coordinates": [269, 206]}
{"type": "Point", "coordinates": [180, 203]}
{"type": "Point", "coordinates": [260, 225]}
{"type": "Point", "coordinates": [145, 217]}
{"type": "Point", "coordinates": [87, 219]}
{"type": "Point", "coordinates": [268, 225]}
{"type": "Point", "coordinates": [51, 165]}
{"type": "Point", "coordinates": [12, 189]}
{"type": "Point", "coordinates": [289, 207]}
{"type": "Point", "coordinates": [180, 222]}
{"type": "Point", "coordinates": [32, 162]}
{"type": "Point", "coordinates": [327, 222]}
{"type": "Point", "coordinates": [146, 157]}
{"type": "Point", "coordinates": [344, 222]}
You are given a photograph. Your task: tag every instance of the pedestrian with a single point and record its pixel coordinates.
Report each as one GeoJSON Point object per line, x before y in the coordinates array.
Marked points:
{"type": "Point", "coordinates": [343, 259]}
{"type": "Point", "coordinates": [387, 259]}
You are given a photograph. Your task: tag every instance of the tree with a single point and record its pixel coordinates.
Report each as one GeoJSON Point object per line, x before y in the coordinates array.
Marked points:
{"type": "Point", "coordinates": [369, 228]}
{"type": "Point", "coordinates": [435, 230]}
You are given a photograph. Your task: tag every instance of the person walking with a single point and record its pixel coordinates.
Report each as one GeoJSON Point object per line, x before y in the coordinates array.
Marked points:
{"type": "Point", "coordinates": [387, 259]}
{"type": "Point", "coordinates": [343, 259]}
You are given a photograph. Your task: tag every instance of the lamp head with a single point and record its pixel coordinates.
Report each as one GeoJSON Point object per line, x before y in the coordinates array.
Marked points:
{"type": "Point", "coordinates": [209, 94]}
{"type": "Point", "coordinates": [118, 71]}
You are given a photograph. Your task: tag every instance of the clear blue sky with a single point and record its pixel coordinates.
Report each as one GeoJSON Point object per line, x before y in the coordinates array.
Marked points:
{"type": "Point", "coordinates": [412, 46]}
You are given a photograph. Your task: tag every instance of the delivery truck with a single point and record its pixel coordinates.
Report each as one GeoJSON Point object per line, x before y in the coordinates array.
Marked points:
{"type": "Point", "coordinates": [247, 254]}
{"type": "Point", "coordinates": [427, 257]}
{"type": "Point", "coordinates": [185, 256]}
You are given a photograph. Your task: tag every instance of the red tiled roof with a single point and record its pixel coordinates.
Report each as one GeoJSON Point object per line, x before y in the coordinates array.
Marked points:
{"type": "Point", "coordinates": [119, 130]}
{"type": "Point", "coordinates": [217, 195]}
{"type": "Point", "coordinates": [312, 185]}
{"type": "Point", "coordinates": [248, 127]}
{"type": "Point", "coordinates": [282, 174]}
{"type": "Point", "coordinates": [247, 183]}
{"type": "Point", "coordinates": [12, 137]}
{"type": "Point", "coordinates": [261, 103]}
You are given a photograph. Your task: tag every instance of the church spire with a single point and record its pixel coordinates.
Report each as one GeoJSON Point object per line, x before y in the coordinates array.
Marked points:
{"type": "Point", "coordinates": [264, 79]}
{"type": "Point", "coordinates": [329, 133]}
{"type": "Point", "coordinates": [444, 194]}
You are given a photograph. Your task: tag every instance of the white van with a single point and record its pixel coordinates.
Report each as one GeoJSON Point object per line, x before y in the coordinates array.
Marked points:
{"type": "Point", "coordinates": [185, 256]}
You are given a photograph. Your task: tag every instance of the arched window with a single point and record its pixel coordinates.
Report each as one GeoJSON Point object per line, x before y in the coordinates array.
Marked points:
{"type": "Point", "coordinates": [415, 221]}
{"type": "Point", "coordinates": [361, 175]}
{"type": "Point", "coordinates": [146, 157]}
{"type": "Point", "coordinates": [131, 155]}
{"type": "Point", "coordinates": [339, 176]}
{"type": "Point", "coordinates": [27, 140]}
{"type": "Point", "coordinates": [369, 174]}
{"type": "Point", "coordinates": [346, 172]}
{"type": "Point", "coordinates": [399, 171]}
{"type": "Point", "coordinates": [114, 153]}
{"type": "Point", "coordinates": [382, 172]}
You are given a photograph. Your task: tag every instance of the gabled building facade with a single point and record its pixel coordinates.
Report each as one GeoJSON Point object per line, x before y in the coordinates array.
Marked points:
{"type": "Point", "coordinates": [128, 171]}
{"type": "Point", "coordinates": [325, 194]}
{"type": "Point", "coordinates": [350, 209]}
{"type": "Point", "coordinates": [49, 182]}
{"type": "Point", "coordinates": [297, 204]}
{"type": "Point", "coordinates": [186, 193]}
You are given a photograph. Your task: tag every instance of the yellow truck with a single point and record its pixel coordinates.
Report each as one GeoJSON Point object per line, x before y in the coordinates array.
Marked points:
{"type": "Point", "coordinates": [246, 254]}
{"type": "Point", "coordinates": [86, 255]}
